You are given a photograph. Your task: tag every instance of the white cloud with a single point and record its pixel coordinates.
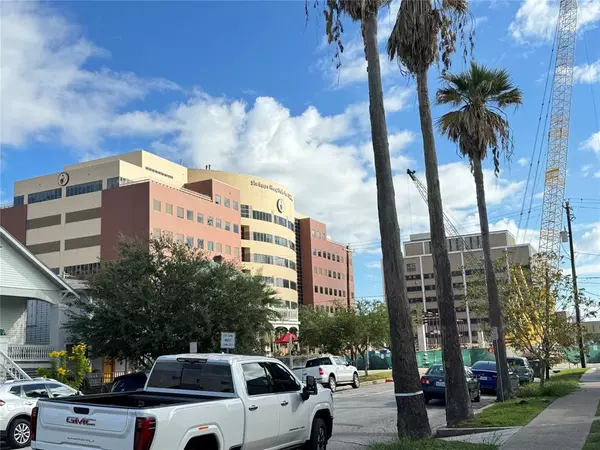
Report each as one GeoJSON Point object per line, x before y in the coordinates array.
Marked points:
{"type": "Point", "coordinates": [587, 73]}
{"type": "Point", "coordinates": [592, 143]}
{"type": "Point", "coordinates": [373, 265]}
{"type": "Point", "coordinates": [481, 20]}
{"type": "Point", "coordinates": [523, 162]}
{"type": "Point", "coordinates": [585, 170]}
{"type": "Point", "coordinates": [597, 174]}
{"type": "Point", "coordinates": [536, 19]}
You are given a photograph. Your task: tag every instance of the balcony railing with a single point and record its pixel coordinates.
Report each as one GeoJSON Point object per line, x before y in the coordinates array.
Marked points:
{"type": "Point", "coordinates": [29, 353]}
{"type": "Point", "coordinates": [286, 315]}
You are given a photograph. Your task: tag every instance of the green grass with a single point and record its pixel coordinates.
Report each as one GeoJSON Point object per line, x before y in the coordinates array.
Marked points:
{"type": "Point", "coordinates": [376, 376]}
{"type": "Point", "coordinates": [593, 440]}
{"type": "Point", "coordinates": [574, 374]}
{"type": "Point", "coordinates": [432, 444]}
{"type": "Point", "coordinates": [513, 413]}
{"type": "Point", "coordinates": [559, 385]}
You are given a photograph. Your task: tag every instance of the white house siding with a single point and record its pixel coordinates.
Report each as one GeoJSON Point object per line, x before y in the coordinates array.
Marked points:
{"type": "Point", "coordinates": [13, 319]}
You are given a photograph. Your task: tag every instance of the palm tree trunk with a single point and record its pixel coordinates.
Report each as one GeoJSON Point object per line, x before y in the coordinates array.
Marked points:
{"type": "Point", "coordinates": [490, 278]}
{"type": "Point", "coordinates": [458, 401]}
{"type": "Point", "coordinates": [412, 415]}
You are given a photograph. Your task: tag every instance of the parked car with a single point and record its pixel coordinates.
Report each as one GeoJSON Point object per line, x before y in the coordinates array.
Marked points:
{"type": "Point", "coordinates": [330, 371]}
{"type": "Point", "coordinates": [434, 385]}
{"type": "Point", "coordinates": [485, 371]}
{"type": "Point", "coordinates": [130, 382]}
{"type": "Point", "coordinates": [193, 402]}
{"type": "Point", "coordinates": [521, 366]}
{"type": "Point", "coordinates": [17, 400]}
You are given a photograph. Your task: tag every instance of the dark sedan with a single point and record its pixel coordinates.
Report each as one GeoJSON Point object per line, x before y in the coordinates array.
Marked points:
{"type": "Point", "coordinates": [434, 386]}
{"type": "Point", "coordinates": [485, 371]}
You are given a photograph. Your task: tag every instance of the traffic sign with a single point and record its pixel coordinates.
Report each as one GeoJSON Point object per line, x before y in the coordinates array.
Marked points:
{"type": "Point", "coordinates": [494, 333]}
{"type": "Point", "coordinates": [227, 340]}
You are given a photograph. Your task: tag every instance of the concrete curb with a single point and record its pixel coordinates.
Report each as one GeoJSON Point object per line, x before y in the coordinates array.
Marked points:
{"type": "Point", "coordinates": [443, 432]}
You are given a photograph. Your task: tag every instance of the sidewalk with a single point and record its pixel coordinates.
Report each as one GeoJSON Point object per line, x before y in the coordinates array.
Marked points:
{"type": "Point", "coordinates": [565, 424]}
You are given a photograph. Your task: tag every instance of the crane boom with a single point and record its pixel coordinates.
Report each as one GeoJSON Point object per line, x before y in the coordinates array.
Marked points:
{"type": "Point", "coordinates": [558, 136]}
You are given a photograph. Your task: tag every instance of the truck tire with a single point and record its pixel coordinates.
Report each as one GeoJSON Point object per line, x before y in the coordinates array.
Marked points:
{"type": "Point", "coordinates": [355, 381]}
{"type": "Point", "coordinates": [331, 383]}
{"type": "Point", "coordinates": [19, 433]}
{"type": "Point", "coordinates": [318, 436]}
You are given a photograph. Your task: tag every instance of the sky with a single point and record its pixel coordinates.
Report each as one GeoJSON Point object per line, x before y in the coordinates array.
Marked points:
{"type": "Point", "coordinates": [251, 87]}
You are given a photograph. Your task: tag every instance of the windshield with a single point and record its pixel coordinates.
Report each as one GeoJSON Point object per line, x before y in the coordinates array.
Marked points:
{"type": "Point", "coordinates": [195, 376]}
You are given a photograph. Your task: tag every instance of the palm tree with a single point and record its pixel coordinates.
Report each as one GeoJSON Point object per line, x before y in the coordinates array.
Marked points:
{"type": "Point", "coordinates": [412, 415]}
{"type": "Point", "coordinates": [478, 125]}
{"type": "Point", "coordinates": [422, 29]}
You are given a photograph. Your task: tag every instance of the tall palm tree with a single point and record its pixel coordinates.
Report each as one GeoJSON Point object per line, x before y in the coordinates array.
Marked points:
{"type": "Point", "coordinates": [412, 415]}
{"type": "Point", "coordinates": [476, 126]}
{"type": "Point", "coordinates": [422, 29]}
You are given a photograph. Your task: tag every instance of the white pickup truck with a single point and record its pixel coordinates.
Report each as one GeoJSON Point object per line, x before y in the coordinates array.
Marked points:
{"type": "Point", "coordinates": [194, 402]}
{"type": "Point", "coordinates": [329, 371]}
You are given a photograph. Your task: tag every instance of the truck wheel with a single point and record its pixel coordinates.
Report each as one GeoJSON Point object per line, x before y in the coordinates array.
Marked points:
{"type": "Point", "coordinates": [332, 384]}
{"type": "Point", "coordinates": [318, 436]}
{"type": "Point", "coordinates": [355, 381]}
{"type": "Point", "coordinates": [19, 434]}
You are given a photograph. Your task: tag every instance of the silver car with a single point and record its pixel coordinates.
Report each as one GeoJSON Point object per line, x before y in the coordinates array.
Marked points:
{"type": "Point", "coordinates": [521, 366]}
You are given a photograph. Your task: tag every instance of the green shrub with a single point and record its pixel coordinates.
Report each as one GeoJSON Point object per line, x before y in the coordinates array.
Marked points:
{"type": "Point", "coordinates": [552, 388]}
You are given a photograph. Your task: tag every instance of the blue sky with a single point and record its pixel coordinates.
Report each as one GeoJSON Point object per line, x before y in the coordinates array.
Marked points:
{"type": "Point", "coordinates": [250, 87]}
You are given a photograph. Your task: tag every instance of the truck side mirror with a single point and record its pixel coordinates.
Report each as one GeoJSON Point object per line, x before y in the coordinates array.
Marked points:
{"type": "Point", "coordinates": [311, 385]}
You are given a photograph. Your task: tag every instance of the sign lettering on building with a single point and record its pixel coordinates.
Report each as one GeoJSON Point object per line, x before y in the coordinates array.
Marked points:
{"type": "Point", "coordinates": [271, 188]}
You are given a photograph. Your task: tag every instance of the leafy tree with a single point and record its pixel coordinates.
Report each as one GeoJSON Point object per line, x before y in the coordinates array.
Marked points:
{"type": "Point", "coordinates": [320, 330]}
{"type": "Point", "coordinates": [69, 369]}
{"type": "Point", "coordinates": [477, 126]}
{"type": "Point", "coordinates": [425, 32]}
{"type": "Point", "coordinates": [412, 416]}
{"type": "Point", "coordinates": [161, 295]}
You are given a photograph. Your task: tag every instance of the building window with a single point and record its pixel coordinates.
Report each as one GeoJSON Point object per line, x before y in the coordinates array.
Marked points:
{"type": "Point", "coordinates": [84, 188]}
{"type": "Point", "coordinates": [328, 255]}
{"type": "Point", "coordinates": [236, 205]}
{"type": "Point", "coordinates": [210, 221]}
{"type": "Point", "coordinates": [335, 292]}
{"type": "Point", "coordinates": [245, 211]}
{"type": "Point", "coordinates": [227, 202]}
{"type": "Point", "coordinates": [155, 233]}
{"type": "Point", "coordinates": [411, 267]}
{"type": "Point", "coordinates": [329, 273]}
{"type": "Point", "coordinates": [219, 247]}
{"type": "Point", "coordinates": [150, 169]}
{"type": "Point", "coordinates": [156, 205]}
{"type": "Point", "coordinates": [169, 209]}
{"type": "Point", "coordinates": [180, 212]}
{"type": "Point", "coordinates": [337, 258]}
{"type": "Point", "coordinates": [190, 241]}
{"type": "Point", "coordinates": [320, 271]}
{"type": "Point", "coordinates": [236, 228]}
{"type": "Point", "coordinates": [211, 246]}
{"type": "Point", "coordinates": [82, 269]}
{"type": "Point", "coordinates": [228, 249]}
{"type": "Point", "coordinates": [274, 260]}
{"type": "Point", "coordinates": [318, 252]}
{"type": "Point", "coordinates": [236, 252]}
{"type": "Point", "coordinates": [44, 196]}
{"type": "Point", "coordinates": [218, 223]}
{"type": "Point", "coordinates": [259, 215]}
{"type": "Point", "coordinates": [227, 226]}
{"type": "Point", "coordinates": [320, 289]}
{"type": "Point", "coordinates": [316, 270]}
{"type": "Point", "coordinates": [19, 200]}
{"type": "Point", "coordinates": [190, 215]}
{"type": "Point", "coordinates": [317, 289]}
{"type": "Point", "coordinates": [314, 252]}
{"type": "Point", "coordinates": [413, 289]}
{"type": "Point", "coordinates": [200, 243]}
{"type": "Point", "coordinates": [218, 199]}
{"type": "Point", "coordinates": [339, 275]}
{"type": "Point", "coordinates": [179, 238]}
{"type": "Point", "coordinates": [169, 235]}
{"type": "Point", "coordinates": [200, 218]}
{"type": "Point", "coordinates": [262, 237]}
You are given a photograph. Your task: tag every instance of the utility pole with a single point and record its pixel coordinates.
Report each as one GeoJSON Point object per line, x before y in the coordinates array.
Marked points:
{"type": "Point", "coordinates": [575, 291]}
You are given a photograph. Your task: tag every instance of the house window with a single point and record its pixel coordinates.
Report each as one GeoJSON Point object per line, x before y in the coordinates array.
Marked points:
{"type": "Point", "coordinates": [227, 226]}
{"type": "Point", "coordinates": [169, 209]}
{"type": "Point", "coordinates": [190, 241]}
{"type": "Point", "coordinates": [210, 221]}
{"type": "Point", "coordinates": [228, 249]}
{"type": "Point", "coordinates": [201, 243]}
{"type": "Point", "coordinates": [227, 202]}
{"type": "Point", "coordinates": [411, 267]}
{"type": "Point", "coordinates": [236, 228]}
{"type": "Point", "coordinates": [156, 205]}
{"type": "Point", "coordinates": [180, 212]}
{"type": "Point", "coordinates": [218, 199]}
{"type": "Point", "coordinates": [200, 218]}
{"type": "Point", "coordinates": [218, 223]}
{"type": "Point", "coordinates": [211, 246]}
{"type": "Point", "coordinates": [236, 205]}
{"type": "Point", "coordinates": [219, 247]}
{"type": "Point", "coordinates": [190, 215]}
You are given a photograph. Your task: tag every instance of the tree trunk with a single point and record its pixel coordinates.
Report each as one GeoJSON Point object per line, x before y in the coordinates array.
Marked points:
{"type": "Point", "coordinates": [458, 401]}
{"type": "Point", "coordinates": [412, 414]}
{"type": "Point", "coordinates": [490, 279]}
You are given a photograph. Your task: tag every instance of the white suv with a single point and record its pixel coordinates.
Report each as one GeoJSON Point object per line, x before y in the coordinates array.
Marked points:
{"type": "Point", "coordinates": [17, 399]}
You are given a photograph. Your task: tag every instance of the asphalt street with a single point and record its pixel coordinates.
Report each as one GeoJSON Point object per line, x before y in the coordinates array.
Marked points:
{"type": "Point", "coordinates": [367, 415]}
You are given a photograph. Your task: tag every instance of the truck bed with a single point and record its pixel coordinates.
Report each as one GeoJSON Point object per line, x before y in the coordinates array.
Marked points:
{"type": "Point", "coordinates": [135, 400]}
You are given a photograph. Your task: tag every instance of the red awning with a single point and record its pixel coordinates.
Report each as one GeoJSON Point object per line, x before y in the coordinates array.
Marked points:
{"type": "Point", "coordinates": [286, 338]}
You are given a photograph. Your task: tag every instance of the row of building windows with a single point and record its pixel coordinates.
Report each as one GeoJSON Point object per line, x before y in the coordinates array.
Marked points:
{"type": "Point", "coordinates": [327, 255]}
{"type": "Point", "coordinates": [272, 239]}
{"type": "Point", "coordinates": [273, 260]}
{"type": "Point", "coordinates": [199, 243]}
{"type": "Point", "coordinates": [329, 291]}
{"type": "Point", "coordinates": [227, 202]}
{"type": "Point", "coordinates": [247, 212]}
{"type": "Point", "coordinates": [115, 182]}
{"type": "Point", "coordinates": [198, 217]}
{"type": "Point", "coordinates": [317, 234]}
{"type": "Point", "coordinates": [84, 188]}
{"type": "Point", "coordinates": [44, 196]}
{"type": "Point", "coordinates": [80, 270]}
{"type": "Point", "coordinates": [166, 175]}
{"type": "Point", "coordinates": [280, 282]}
{"type": "Point", "coordinates": [329, 273]}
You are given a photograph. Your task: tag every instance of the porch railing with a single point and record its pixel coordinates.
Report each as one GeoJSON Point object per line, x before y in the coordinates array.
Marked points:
{"type": "Point", "coordinates": [29, 353]}
{"type": "Point", "coordinates": [286, 315]}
